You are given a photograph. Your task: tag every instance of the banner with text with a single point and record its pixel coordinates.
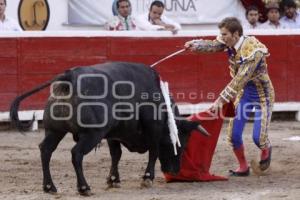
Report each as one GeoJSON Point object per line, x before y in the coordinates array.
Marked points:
{"type": "Point", "coordinates": [95, 12]}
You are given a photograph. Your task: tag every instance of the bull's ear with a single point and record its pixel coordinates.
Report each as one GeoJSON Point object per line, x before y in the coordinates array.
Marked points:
{"type": "Point", "coordinates": [202, 130]}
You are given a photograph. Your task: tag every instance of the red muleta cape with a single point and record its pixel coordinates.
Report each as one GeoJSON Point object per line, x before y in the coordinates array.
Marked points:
{"type": "Point", "coordinates": [198, 154]}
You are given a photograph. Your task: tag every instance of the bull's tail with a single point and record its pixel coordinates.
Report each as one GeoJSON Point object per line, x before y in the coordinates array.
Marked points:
{"type": "Point", "coordinates": [14, 108]}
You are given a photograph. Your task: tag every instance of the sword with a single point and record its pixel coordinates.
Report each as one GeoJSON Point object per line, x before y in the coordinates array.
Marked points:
{"type": "Point", "coordinates": [167, 57]}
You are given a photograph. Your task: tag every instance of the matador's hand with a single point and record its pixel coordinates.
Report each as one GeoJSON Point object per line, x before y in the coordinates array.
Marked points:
{"type": "Point", "coordinates": [191, 45]}
{"type": "Point", "coordinates": [188, 44]}
{"type": "Point", "coordinates": [217, 105]}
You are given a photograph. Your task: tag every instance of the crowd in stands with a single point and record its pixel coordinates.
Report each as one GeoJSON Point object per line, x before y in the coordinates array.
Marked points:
{"type": "Point", "coordinates": [277, 18]}
{"type": "Point", "coordinates": [284, 16]}
{"type": "Point", "coordinates": [290, 17]}
{"type": "Point", "coordinates": [153, 20]}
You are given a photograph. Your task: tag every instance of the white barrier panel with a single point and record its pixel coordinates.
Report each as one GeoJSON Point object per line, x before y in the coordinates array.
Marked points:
{"type": "Point", "coordinates": [184, 109]}
{"type": "Point", "coordinates": [154, 34]}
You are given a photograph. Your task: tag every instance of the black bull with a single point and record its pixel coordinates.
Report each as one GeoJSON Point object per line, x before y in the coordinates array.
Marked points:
{"type": "Point", "coordinates": [121, 102]}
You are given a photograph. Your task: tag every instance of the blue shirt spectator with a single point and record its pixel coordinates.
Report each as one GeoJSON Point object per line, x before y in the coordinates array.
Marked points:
{"type": "Point", "coordinates": [291, 19]}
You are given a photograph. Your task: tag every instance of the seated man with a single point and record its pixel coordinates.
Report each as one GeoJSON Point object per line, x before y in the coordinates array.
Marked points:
{"type": "Point", "coordinates": [292, 16]}
{"type": "Point", "coordinates": [123, 21]}
{"type": "Point", "coordinates": [155, 20]}
{"type": "Point", "coordinates": [7, 24]}
{"type": "Point", "coordinates": [252, 16]}
{"type": "Point", "coordinates": [273, 17]}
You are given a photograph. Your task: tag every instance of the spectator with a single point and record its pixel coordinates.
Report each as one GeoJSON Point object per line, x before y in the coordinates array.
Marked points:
{"type": "Point", "coordinates": [273, 17]}
{"type": "Point", "coordinates": [155, 20]}
{"type": "Point", "coordinates": [292, 16]}
{"type": "Point", "coordinates": [6, 23]}
{"type": "Point", "coordinates": [252, 16]}
{"type": "Point", "coordinates": [123, 21]}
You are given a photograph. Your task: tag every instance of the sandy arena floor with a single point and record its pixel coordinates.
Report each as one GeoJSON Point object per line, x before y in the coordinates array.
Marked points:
{"type": "Point", "coordinates": [21, 173]}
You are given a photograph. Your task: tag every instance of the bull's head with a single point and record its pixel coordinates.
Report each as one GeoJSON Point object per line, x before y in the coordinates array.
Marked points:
{"type": "Point", "coordinates": [170, 163]}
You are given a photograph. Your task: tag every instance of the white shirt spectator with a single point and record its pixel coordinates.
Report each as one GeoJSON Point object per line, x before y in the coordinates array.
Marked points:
{"type": "Point", "coordinates": [9, 24]}
{"type": "Point", "coordinates": [119, 23]}
{"type": "Point", "coordinates": [269, 25]}
{"type": "Point", "coordinates": [291, 23]}
{"type": "Point", "coordinates": [143, 23]}
{"type": "Point", "coordinates": [247, 25]}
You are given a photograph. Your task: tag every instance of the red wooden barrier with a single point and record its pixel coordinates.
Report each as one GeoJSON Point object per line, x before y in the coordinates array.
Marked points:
{"type": "Point", "coordinates": [194, 78]}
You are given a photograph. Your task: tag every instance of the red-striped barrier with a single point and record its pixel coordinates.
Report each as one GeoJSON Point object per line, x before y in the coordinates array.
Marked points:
{"type": "Point", "coordinates": [28, 61]}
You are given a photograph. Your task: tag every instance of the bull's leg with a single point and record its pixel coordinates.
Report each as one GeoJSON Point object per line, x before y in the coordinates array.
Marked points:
{"type": "Point", "coordinates": [149, 173]}
{"type": "Point", "coordinates": [113, 180]}
{"type": "Point", "coordinates": [47, 146]}
{"type": "Point", "coordinates": [152, 130]}
{"type": "Point", "coordinates": [86, 143]}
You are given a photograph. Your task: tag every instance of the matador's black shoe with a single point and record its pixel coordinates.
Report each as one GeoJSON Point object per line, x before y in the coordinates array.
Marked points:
{"type": "Point", "coordinates": [265, 164]}
{"type": "Point", "coordinates": [241, 174]}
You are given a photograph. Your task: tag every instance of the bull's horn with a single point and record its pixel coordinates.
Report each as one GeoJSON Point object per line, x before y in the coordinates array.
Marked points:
{"type": "Point", "coordinates": [202, 130]}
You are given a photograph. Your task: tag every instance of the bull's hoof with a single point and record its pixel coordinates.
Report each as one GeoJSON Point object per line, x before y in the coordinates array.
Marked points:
{"type": "Point", "coordinates": [50, 188]}
{"type": "Point", "coordinates": [113, 182]}
{"type": "Point", "coordinates": [85, 191]}
{"type": "Point", "coordinates": [113, 185]}
{"type": "Point", "coordinates": [147, 183]}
